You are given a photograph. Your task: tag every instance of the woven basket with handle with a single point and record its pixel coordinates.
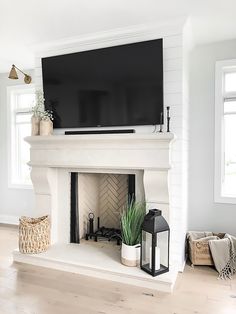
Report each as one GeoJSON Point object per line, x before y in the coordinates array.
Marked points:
{"type": "Point", "coordinates": [34, 234]}
{"type": "Point", "coordinates": [199, 253]}
{"type": "Point", "coordinates": [198, 245]}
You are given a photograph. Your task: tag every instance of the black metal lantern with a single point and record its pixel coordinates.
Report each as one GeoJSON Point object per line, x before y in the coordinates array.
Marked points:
{"type": "Point", "coordinates": [155, 243]}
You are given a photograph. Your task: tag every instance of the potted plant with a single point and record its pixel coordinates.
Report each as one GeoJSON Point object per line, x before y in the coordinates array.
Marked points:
{"type": "Point", "coordinates": [46, 125]}
{"type": "Point", "coordinates": [131, 221]}
{"type": "Point", "coordinates": [36, 112]}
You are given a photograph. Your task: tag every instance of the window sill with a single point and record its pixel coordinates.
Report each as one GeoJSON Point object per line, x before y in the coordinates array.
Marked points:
{"type": "Point", "coordinates": [225, 199]}
{"type": "Point", "coordinates": [20, 186]}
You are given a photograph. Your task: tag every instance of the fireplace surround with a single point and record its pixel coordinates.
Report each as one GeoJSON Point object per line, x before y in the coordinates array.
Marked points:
{"type": "Point", "coordinates": [54, 158]}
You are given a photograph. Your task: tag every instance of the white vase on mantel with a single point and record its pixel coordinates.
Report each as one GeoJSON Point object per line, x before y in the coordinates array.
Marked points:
{"type": "Point", "coordinates": [35, 121]}
{"type": "Point", "coordinates": [130, 255]}
{"type": "Point", "coordinates": [46, 127]}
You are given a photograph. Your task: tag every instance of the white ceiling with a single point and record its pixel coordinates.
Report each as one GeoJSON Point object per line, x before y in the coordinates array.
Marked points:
{"type": "Point", "coordinates": [24, 23]}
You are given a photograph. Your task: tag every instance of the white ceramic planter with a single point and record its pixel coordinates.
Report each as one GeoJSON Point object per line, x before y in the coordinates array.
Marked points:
{"type": "Point", "coordinates": [46, 127]}
{"type": "Point", "coordinates": [130, 255]}
{"type": "Point", "coordinates": [35, 125]}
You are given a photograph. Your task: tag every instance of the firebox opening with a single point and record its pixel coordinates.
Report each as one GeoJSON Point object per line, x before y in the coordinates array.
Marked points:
{"type": "Point", "coordinates": [97, 200]}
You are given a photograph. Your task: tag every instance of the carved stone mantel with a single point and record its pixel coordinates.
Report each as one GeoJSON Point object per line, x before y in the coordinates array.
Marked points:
{"type": "Point", "coordinates": [52, 158]}
{"type": "Point", "coordinates": [127, 151]}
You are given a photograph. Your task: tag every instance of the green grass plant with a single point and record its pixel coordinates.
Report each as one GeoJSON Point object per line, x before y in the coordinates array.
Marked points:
{"type": "Point", "coordinates": [131, 222]}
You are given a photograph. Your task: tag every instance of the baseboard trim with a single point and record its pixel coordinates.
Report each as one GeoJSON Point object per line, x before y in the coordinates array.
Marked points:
{"type": "Point", "coordinates": [9, 220]}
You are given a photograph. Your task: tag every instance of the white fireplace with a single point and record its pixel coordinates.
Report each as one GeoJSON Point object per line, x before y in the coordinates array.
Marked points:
{"type": "Point", "coordinates": [54, 158]}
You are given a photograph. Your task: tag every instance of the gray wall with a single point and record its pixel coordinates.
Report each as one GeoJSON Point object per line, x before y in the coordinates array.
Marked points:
{"type": "Point", "coordinates": [13, 202]}
{"type": "Point", "coordinates": [204, 213]}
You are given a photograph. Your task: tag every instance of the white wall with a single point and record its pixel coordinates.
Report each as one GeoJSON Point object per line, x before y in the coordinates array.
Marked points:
{"type": "Point", "coordinates": [204, 213]}
{"type": "Point", "coordinates": [14, 202]}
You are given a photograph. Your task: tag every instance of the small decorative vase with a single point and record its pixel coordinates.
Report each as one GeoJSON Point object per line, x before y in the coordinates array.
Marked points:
{"type": "Point", "coordinates": [130, 255]}
{"type": "Point", "coordinates": [46, 127]}
{"type": "Point", "coordinates": [35, 125]}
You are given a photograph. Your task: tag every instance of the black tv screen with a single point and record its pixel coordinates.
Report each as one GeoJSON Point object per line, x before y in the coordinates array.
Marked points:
{"type": "Point", "coordinates": [115, 86]}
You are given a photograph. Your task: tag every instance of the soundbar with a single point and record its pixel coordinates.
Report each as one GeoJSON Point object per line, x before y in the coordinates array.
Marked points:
{"type": "Point", "coordinates": [100, 132]}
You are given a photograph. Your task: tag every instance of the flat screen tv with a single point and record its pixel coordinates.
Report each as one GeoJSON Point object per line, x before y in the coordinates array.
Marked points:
{"type": "Point", "coordinates": [115, 86]}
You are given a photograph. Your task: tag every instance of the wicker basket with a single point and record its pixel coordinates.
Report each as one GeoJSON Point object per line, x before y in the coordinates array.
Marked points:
{"type": "Point", "coordinates": [198, 247]}
{"type": "Point", "coordinates": [199, 253]}
{"type": "Point", "coordinates": [34, 234]}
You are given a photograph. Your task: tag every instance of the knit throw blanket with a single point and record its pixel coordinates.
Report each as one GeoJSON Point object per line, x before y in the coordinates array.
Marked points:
{"type": "Point", "coordinates": [223, 252]}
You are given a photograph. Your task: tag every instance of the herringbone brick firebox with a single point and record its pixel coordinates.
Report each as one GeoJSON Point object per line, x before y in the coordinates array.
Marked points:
{"type": "Point", "coordinates": [102, 194]}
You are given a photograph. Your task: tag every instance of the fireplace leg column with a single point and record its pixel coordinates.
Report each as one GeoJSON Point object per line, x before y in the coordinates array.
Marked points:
{"type": "Point", "coordinates": [42, 179]}
{"type": "Point", "coordinates": [156, 190]}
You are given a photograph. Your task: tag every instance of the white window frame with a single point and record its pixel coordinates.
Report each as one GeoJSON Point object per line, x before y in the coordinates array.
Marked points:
{"type": "Point", "coordinates": [10, 122]}
{"type": "Point", "coordinates": [220, 69]}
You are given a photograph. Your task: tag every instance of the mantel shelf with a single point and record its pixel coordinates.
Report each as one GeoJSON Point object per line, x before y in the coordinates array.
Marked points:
{"type": "Point", "coordinates": [133, 151]}
{"type": "Point", "coordinates": [130, 137]}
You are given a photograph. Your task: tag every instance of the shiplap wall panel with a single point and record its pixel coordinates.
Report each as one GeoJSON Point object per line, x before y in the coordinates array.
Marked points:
{"type": "Point", "coordinates": [172, 76]}
{"type": "Point", "coordinates": [173, 41]}
{"type": "Point", "coordinates": [172, 99]}
{"type": "Point", "coordinates": [172, 52]}
{"type": "Point", "coordinates": [173, 64]}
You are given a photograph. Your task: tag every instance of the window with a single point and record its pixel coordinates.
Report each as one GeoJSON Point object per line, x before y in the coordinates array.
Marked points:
{"type": "Point", "coordinates": [225, 132]}
{"type": "Point", "coordinates": [20, 101]}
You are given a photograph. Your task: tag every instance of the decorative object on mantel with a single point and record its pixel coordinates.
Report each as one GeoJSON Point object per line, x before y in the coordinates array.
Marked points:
{"type": "Point", "coordinates": [131, 222]}
{"type": "Point", "coordinates": [35, 125]}
{"type": "Point", "coordinates": [161, 122]}
{"type": "Point", "coordinates": [155, 244]}
{"type": "Point", "coordinates": [36, 112]}
{"type": "Point", "coordinates": [46, 124]}
{"type": "Point", "coordinates": [34, 234]}
{"type": "Point", "coordinates": [41, 121]}
{"type": "Point", "coordinates": [13, 75]}
{"type": "Point", "coordinates": [168, 118]}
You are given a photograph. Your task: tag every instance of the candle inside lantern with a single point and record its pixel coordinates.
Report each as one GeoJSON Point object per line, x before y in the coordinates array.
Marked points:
{"type": "Point", "coordinates": [157, 258]}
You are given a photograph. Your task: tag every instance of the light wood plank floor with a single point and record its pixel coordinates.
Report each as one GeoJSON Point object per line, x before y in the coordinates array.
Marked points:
{"type": "Point", "coordinates": [32, 290]}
